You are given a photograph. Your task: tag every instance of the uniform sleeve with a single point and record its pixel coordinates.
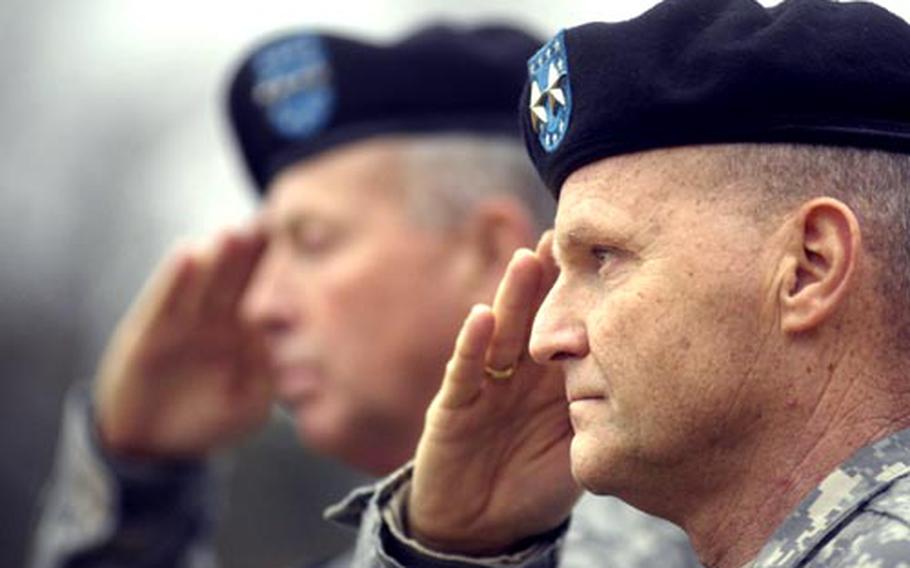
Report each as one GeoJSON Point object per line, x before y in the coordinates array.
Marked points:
{"type": "Point", "coordinates": [99, 512]}
{"type": "Point", "coordinates": [382, 542]}
{"type": "Point", "coordinates": [603, 531]}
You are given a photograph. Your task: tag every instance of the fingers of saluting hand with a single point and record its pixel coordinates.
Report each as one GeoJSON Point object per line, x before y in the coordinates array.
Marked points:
{"type": "Point", "coordinates": [230, 268]}
{"type": "Point", "coordinates": [464, 376]}
{"type": "Point", "coordinates": [169, 285]}
{"type": "Point", "coordinates": [513, 308]}
{"type": "Point", "coordinates": [206, 280]}
{"type": "Point", "coordinates": [493, 338]}
{"type": "Point", "coordinates": [548, 264]}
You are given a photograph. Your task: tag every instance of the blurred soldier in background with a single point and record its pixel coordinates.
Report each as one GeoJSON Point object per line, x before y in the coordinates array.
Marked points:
{"type": "Point", "coordinates": [395, 191]}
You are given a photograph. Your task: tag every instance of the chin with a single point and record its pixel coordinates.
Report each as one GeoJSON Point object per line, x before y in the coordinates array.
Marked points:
{"type": "Point", "coordinates": [315, 430]}
{"type": "Point", "coordinates": [584, 462]}
{"type": "Point", "coordinates": [327, 436]}
{"type": "Point", "coordinates": [597, 466]}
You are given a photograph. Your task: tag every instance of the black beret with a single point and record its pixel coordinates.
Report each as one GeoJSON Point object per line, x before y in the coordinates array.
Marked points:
{"type": "Point", "coordinates": [303, 93]}
{"type": "Point", "coordinates": [719, 71]}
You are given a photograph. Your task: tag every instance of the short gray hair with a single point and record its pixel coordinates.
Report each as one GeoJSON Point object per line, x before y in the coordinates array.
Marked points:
{"type": "Point", "coordinates": [448, 175]}
{"type": "Point", "coordinates": [874, 184]}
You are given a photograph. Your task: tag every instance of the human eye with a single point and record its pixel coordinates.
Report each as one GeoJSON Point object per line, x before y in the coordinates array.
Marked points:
{"type": "Point", "coordinates": [604, 256]}
{"type": "Point", "coordinates": [314, 239]}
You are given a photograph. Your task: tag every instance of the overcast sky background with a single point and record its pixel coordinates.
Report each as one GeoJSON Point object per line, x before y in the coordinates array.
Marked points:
{"type": "Point", "coordinates": [113, 146]}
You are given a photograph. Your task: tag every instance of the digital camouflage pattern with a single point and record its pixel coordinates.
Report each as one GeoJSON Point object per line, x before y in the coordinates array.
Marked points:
{"type": "Point", "coordinates": [102, 513]}
{"type": "Point", "coordinates": [859, 516]}
{"type": "Point", "coordinates": [603, 531]}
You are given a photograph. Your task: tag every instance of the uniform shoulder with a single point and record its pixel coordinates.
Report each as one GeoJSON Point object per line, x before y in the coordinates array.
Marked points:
{"type": "Point", "coordinates": [894, 502]}
{"type": "Point", "coordinates": [877, 536]}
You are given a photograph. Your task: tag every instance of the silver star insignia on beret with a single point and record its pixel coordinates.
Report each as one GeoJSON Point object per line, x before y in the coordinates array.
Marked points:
{"type": "Point", "coordinates": [546, 102]}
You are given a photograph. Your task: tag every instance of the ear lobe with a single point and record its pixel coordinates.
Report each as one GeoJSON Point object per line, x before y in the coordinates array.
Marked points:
{"type": "Point", "coordinates": [820, 265]}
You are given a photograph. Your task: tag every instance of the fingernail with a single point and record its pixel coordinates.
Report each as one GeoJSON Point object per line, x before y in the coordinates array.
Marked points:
{"type": "Point", "coordinates": [523, 251]}
{"type": "Point", "coordinates": [477, 308]}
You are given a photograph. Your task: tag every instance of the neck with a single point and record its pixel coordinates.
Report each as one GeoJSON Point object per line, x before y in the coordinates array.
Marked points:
{"type": "Point", "coordinates": [754, 485]}
{"type": "Point", "coordinates": [730, 527]}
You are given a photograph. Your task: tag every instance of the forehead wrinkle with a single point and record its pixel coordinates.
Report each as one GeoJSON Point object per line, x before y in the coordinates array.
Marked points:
{"type": "Point", "coordinates": [646, 182]}
{"type": "Point", "coordinates": [628, 199]}
{"type": "Point", "coordinates": [594, 218]}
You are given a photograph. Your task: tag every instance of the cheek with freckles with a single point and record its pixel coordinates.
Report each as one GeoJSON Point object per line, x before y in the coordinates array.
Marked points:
{"type": "Point", "coordinates": [674, 358]}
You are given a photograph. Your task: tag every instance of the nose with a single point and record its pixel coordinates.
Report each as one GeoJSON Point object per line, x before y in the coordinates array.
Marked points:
{"type": "Point", "coordinates": [558, 334]}
{"type": "Point", "coordinates": [270, 302]}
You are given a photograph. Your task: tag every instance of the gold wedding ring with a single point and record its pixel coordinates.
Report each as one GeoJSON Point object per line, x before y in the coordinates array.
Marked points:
{"type": "Point", "coordinates": [499, 374]}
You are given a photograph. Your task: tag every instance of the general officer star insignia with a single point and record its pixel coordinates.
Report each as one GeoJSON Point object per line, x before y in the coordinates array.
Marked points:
{"type": "Point", "coordinates": [550, 103]}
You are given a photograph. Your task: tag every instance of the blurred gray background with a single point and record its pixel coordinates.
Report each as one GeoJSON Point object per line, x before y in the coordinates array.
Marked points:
{"type": "Point", "coordinates": [112, 146]}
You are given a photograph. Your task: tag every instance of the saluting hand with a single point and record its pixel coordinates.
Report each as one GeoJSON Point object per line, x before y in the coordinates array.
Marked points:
{"type": "Point", "coordinates": [492, 466]}
{"type": "Point", "coordinates": [182, 375]}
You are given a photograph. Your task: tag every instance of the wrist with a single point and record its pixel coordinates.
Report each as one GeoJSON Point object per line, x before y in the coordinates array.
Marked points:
{"type": "Point", "coordinates": [454, 537]}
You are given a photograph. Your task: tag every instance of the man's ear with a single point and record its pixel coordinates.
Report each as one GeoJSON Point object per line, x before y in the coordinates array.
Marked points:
{"type": "Point", "coordinates": [496, 228]}
{"type": "Point", "coordinates": [820, 263]}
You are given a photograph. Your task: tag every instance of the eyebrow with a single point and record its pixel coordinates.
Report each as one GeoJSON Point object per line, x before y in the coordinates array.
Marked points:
{"type": "Point", "coordinates": [582, 232]}
{"type": "Point", "coordinates": [288, 224]}
{"type": "Point", "coordinates": [585, 231]}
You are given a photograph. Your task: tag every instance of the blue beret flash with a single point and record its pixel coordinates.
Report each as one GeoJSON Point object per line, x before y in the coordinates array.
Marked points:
{"type": "Point", "coordinates": [550, 103]}
{"type": "Point", "coordinates": [291, 84]}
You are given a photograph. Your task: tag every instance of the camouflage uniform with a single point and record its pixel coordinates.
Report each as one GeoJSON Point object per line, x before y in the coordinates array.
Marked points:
{"type": "Point", "coordinates": [104, 513]}
{"type": "Point", "coordinates": [858, 517]}
{"type": "Point", "coordinates": [603, 531]}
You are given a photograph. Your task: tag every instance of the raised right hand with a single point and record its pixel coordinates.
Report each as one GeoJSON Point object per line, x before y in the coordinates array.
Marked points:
{"type": "Point", "coordinates": [492, 466]}
{"type": "Point", "coordinates": [182, 375]}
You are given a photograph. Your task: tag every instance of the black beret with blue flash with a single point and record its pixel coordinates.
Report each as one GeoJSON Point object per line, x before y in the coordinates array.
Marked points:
{"type": "Point", "coordinates": [719, 71]}
{"type": "Point", "coordinates": [303, 93]}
